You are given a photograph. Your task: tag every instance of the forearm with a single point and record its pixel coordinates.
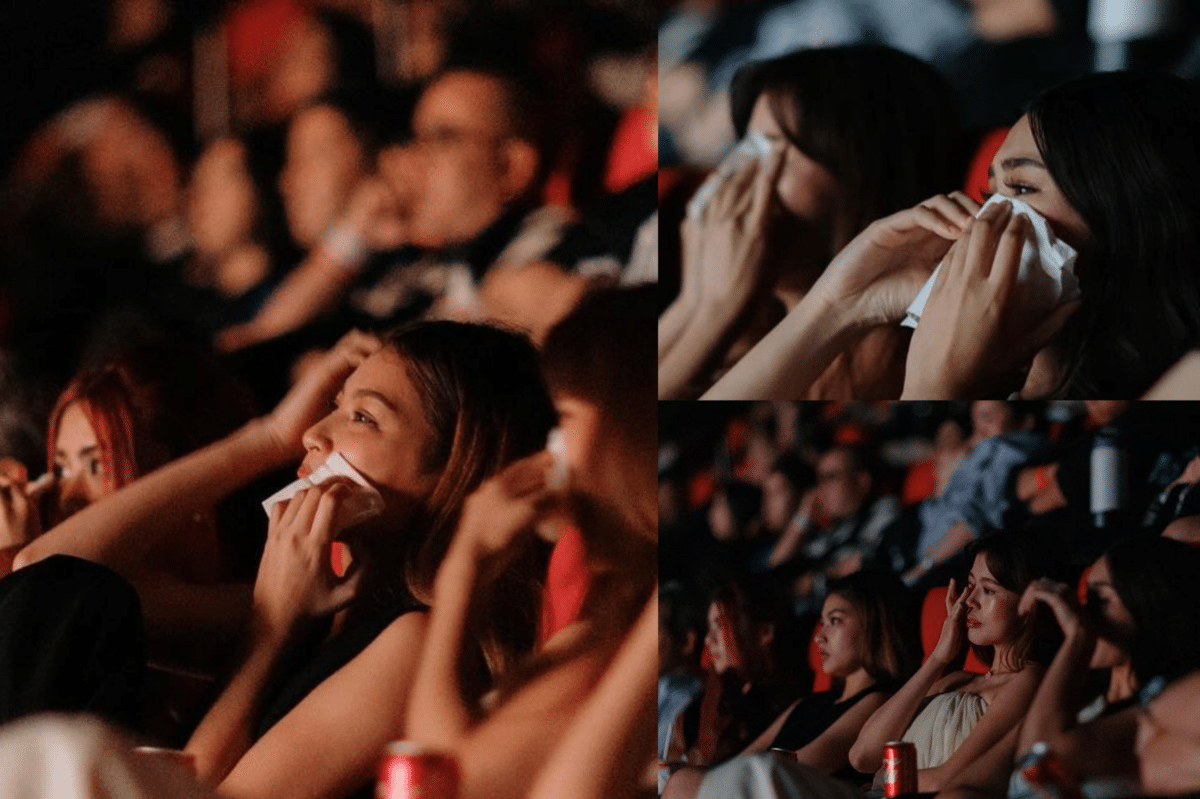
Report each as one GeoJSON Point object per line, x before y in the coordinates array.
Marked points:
{"type": "Point", "coordinates": [312, 289]}
{"type": "Point", "coordinates": [226, 732]}
{"type": "Point", "coordinates": [704, 339]}
{"type": "Point", "coordinates": [889, 722]}
{"type": "Point", "coordinates": [672, 324]}
{"type": "Point", "coordinates": [438, 715]}
{"type": "Point", "coordinates": [1056, 703]}
{"type": "Point", "coordinates": [605, 751]}
{"type": "Point", "coordinates": [792, 356]}
{"type": "Point", "coordinates": [121, 531]}
{"type": "Point", "coordinates": [952, 543]}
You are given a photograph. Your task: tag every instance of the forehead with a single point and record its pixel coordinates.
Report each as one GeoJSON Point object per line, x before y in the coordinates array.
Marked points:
{"type": "Point", "coordinates": [387, 374]}
{"type": "Point", "coordinates": [321, 122]}
{"type": "Point", "coordinates": [761, 117]}
{"type": "Point", "coordinates": [74, 428]}
{"type": "Point", "coordinates": [462, 99]}
{"type": "Point", "coordinates": [980, 570]}
{"type": "Point", "coordinates": [1019, 143]}
{"type": "Point", "coordinates": [836, 603]}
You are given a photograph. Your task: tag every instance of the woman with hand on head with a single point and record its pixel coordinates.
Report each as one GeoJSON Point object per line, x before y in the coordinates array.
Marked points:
{"type": "Point", "coordinates": [868, 643]}
{"type": "Point", "coordinates": [422, 418]}
{"type": "Point", "coordinates": [594, 364]}
{"type": "Point", "coordinates": [1141, 594]}
{"type": "Point", "coordinates": [955, 718]}
{"type": "Point", "coordinates": [856, 133]}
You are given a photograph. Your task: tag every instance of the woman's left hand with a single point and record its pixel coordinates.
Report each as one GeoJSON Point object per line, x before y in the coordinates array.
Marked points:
{"type": "Point", "coordinates": [971, 341]}
{"type": "Point", "coordinates": [1062, 603]}
{"type": "Point", "coordinates": [295, 581]}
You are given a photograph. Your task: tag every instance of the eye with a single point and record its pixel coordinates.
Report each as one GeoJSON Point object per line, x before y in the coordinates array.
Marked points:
{"type": "Point", "coordinates": [986, 195]}
{"type": "Point", "coordinates": [1021, 189]}
{"type": "Point", "coordinates": [95, 467]}
{"type": "Point", "coordinates": [59, 470]}
{"type": "Point", "coordinates": [358, 417]}
{"type": "Point", "coordinates": [988, 591]}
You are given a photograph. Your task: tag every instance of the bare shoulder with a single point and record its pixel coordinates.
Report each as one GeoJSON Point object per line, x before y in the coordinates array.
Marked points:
{"type": "Point", "coordinates": [952, 682]}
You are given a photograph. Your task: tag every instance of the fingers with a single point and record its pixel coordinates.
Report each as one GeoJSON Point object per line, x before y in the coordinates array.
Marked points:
{"type": "Point", "coordinates": [527, 475]}
{"type": "Point", "coordinates": [951, 595]}
{"type": "Point", "coordinates": [324, 527]}
{"type": "Point", "coordinates": [951, 213]}
{"type": "Point", "coordinates": [1006, 262]}
{"type": "Point", "coordinates": [984, 238]}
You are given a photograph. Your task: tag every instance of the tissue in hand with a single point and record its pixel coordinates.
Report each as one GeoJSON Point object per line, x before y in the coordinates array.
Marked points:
{"type": "Point", "coordinates": [754, 145]}
{"type": "Point", "coordinates": [362, 503]}
{"type": "Point", "coordinates": [1047, 275]}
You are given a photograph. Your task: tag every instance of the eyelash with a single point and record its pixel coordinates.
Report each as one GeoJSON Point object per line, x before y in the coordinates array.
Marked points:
{"type": "Point", "coordinates": [362, 418]}
{"type": "Point", "coordinates": [1021, 189]}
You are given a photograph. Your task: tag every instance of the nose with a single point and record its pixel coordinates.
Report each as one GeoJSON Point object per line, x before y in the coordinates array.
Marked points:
{"type": "Point", "coordinates": [971, 599]}
{"type": "Point", "coordinates": [72, 494]}
{"type": "Point", "coordinates": [316, 439]}
{"type": "Point", "coordinates": [819, 635]}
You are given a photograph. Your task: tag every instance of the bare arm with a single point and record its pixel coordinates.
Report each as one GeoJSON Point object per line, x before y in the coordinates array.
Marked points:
{"type": "Point", "coordinates": [987, 775]}
{"type": "Point", "coordinates": [605, 751]}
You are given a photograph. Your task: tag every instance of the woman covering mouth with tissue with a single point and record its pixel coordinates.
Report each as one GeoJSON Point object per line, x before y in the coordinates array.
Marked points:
{"type": "Point", "coordinates": [1110, 162]}
{"type": "Point", "coordinates": [421, 418]}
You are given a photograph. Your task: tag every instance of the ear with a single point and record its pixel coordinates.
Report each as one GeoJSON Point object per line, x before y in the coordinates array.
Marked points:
{"type": "Point", "coordinates": [520, 162]}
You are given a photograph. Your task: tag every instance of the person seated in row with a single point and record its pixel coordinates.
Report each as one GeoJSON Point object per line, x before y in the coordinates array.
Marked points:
{"type": "Point", "coordinates": [422, 418]}
{"type": "Point", "coordinates": [1086, 156]}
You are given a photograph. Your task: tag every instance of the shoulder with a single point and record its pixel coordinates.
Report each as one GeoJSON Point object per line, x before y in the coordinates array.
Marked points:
{"type": "Point", "coordinates": [952, 682]}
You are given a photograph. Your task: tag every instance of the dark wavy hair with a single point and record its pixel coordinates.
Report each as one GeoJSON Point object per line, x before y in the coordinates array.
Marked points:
{"type": "Point", "coordinates": [1156, 579]}
{"type": "Point", "coordinates": [890, 621]}
{"type": "Point", "coordinates": [1121, 147]}
{"type": "Point", "coordinates": [884, 123]}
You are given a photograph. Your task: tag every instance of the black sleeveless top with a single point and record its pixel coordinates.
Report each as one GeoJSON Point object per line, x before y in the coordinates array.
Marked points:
{"type": "Point", "coordinates": [814, 715]}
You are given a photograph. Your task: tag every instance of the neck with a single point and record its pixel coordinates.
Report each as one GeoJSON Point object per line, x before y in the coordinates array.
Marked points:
{"type": "Point", "coordinates": [1004, 661]}
{"type": "Point", "coordinates": [1121, 683]}
{"type": "Point", "coordinates": [856, 682]}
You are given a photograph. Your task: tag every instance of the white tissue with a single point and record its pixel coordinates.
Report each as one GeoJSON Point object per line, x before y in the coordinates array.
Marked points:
{"type": "Point", "coordinates": [363, 503]}
{"type": "Point", "coordinates": [754, 145]}
{"type": "Point", "coordinates": [1047, 274]}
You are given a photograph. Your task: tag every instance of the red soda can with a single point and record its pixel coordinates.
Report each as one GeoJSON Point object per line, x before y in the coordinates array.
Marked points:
{"type": "Point", "coordinates": [899, 768]}
{"type": "Point", "coordinates": [1046, 772]}
{"type": "Point", "coordinates": [410, 771]}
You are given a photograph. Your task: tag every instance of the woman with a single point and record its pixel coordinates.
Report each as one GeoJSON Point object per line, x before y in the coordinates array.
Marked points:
{"type": "Point", "coordinates": [594, 364]}
{"type": "Point", "coordinates": [868, 643]}
{"type": "Point", "coordinates": [1094, 158]}
{"type": "Point", "coordinates": [856, 133]}
{"type": "Point", "coordinates": [753, 677]}
{"type": "Point", "coordinates": [1141, 593]}
{"type": "Point", "coordinates": [953, 719]}
{"type": "Point", "coordinates": [422, 418]}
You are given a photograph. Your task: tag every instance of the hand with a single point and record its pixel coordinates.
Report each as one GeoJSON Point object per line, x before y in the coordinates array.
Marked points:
{"type": "Point", "coordinates": [504, 507]}
{"type": "Point", "coordinates": [20, 512]}
{"type": "Point", "coordinates": [975, 336]}
{"type": "Point", "coordinates": [954, 630]}
{"type": "Point", "coordinates": [1191, 473]}
{"type": "Point", "coordinates": [373, 214]}
{"type": "Point", "coordinates": [729, 253]}
{"type": "Point", "coordinates": [308, 401]}
{"type": "Point", "coordinates": [296, 581]}
{"type": "Point", "coordinates": [1062, 603]}
{"type": "Point", "coordinates": [877, 275]}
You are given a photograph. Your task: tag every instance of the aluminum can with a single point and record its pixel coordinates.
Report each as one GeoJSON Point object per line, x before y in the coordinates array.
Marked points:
{"type": "Point", "coordinates": [1046, 772]}
{"type": "Point", "coordinates": [410, 771]}
{"type": "Point", "coordinates": [899, 768]}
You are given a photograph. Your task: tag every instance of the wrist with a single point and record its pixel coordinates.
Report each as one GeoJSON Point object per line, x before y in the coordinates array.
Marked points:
{"type": "Point", "coordinates": [267, 445]}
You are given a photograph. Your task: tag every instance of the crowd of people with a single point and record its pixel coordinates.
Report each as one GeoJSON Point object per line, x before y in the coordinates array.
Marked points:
{"type": "Point", "coordinates": [859, 146]}
{"type": "Point", "coordinates": [983, 580]}
{"type": "Point", "coordinates": [387, 272]}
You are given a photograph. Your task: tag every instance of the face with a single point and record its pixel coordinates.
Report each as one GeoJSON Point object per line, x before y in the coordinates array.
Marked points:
{"type": "Point", "coordinates": [1018, 170]}
{"type": "Point", "coordinates": [991, 608]}
{"type": "Point", "coordinates": [841, 637]}
{"type": "Point", "coordinates": [132, 170]}
{"type": "Point", "coordinates": [379, 427]}
{"type": "Point", "coordinates": [840, 490]}
{"type": "Point", "coordinates": [722, 646]}
{"type": "Point", "coordinates": [460, 138]}
{"type": "Point", "coordinates": [77, 462]}
{"type": "Point", "coordinates": [1168, 739]}
{"type": "Point", "coordinates": [989, 419]}
{"type": "Point", "coordinates": [806, 189]}
{"type": "Point", "coordinates": [303, 70]}
{"type": "Point", "coordinates": [779, 501]}
{"type": "Point", "coordinates": [399, 166]}
{"type": "Point", "coordinates": [324, 162]}
{"type": "Point", "coordinates": [222, 202]}
{"type": "Point", "coordinates": [1115, 624]}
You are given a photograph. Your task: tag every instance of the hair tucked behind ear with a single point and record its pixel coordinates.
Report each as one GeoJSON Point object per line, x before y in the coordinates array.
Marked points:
{"type": "Point", "coordinates": [891, 627]}
{"type": "Point", "coordinates": [1122, 149]}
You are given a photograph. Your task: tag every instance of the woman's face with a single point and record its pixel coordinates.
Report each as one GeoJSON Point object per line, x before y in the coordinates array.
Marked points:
{"type": "Point", "coordinates": [1018, 170]}
{"type": "Point", "coordinates": [805, 188]}
{"type": "Point", "coordinates": [77, 462]}
{"type": "Point", "coordinates": [222, 200]}
{"type": "Point", "coordinates": [379, 426]}
{"type": "Point", "coordinates": [841, 638]}
{"type": "Point", "coordinates": [991, 608]}
{"type": "Point", "coordinates": [324, 163]}
{"type": "Point", "coordinates": [722, 646]}
{"type": "Point", "coordinates": [1113, 620]}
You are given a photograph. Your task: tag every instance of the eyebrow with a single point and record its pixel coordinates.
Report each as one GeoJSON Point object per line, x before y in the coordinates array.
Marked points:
{"type": "Point", "coordinates": [92, 450]}
{"type": "Point", "coordinates": [373, 394]}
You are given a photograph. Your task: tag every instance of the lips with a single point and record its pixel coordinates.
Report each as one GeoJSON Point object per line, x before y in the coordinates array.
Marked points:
{"type": "Point", "coordinates": [972, 622]}
{"type": "Point", "coordinates": [823, 654]}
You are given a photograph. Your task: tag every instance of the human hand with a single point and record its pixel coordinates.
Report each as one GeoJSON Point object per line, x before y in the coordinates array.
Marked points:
{"type": "Point", "coordinates": [1062, 602]}
{"type": "Point", "coordinates": [877, 275]}
{"type": "Point", "coordinates": [727, 253]}
{"type": "Point", "coordinates": [296, 581]}
{"type": "Point", "coordinates": [954, 629]}
{"type": "Point", "coordinates": [308, 400]}
{"type": "Point", "coordinates": [503, 508]}
{"type": "Point", "coordinates": [976, 336]}
{"type": "Point", "coordinates": [20, 509]}
{"type": "Point", "coordinates": [374, 215]}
